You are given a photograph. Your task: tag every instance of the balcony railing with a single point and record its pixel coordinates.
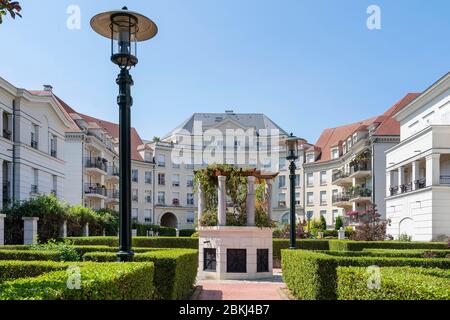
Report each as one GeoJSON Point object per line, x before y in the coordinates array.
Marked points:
{"type": "Point", "coordinates": [148, 199]}
{"type": "Point", "coordinates": [445, 180]}
{"type": "Point", "coordinates": [7, 134]}
{"type": "Point", "coordinates": [363, 166]}
{"type": "Point", "coordinates": [282, 204]}
{"type": "Point", "coordinates": [34, 144]}
{"type": "Point", "coordinates": [113, 171]}
{"type": "Point", "coordinates": [421, 183]}
{"type": "Point", "coordinates": [95, 189]}
{"type": "Point", "coordinates": [408, 187]}
{"type": "Point", "coordinates": [34, 189]}
{"type": "Point", "coordinates": [339, 175]}
{"type": "Point", "coordinates": [96, 163]}
{"type": "Point", "coordinates": [176, 202]}
{"type": "Point", "coordinates": [393, 190]}
{"type": "Point", "coordinates": [341, 197]}
{"type": "Point", "coordinates": [361, 193]}
{"type": "Point", "coordinates": [113, 194]}
{"type": "Point", "coordinates": [53, 153]}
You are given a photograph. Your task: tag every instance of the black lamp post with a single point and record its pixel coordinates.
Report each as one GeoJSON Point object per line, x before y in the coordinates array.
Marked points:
{"type": "Point", "coordinates": [292, 145]}
{"type": "Point", "coordinates": [125, 29]}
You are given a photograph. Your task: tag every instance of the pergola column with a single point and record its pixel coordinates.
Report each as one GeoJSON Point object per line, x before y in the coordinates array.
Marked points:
{"type": "Point", "coordinates": [401, 176]}
{"type": "Point", "coordinates": [222, 201]}
{"type": "Point", "coordinates": [269, 191]}
{"type": "Point", "coordinates": [433, 170]}
{"type": "Point", "coordinates": [30, 230]}
{"type": "Point", "coordinates": [2, 229]}
{"type": "Point", "coordinates": [251, 195]}
{"type": "Point", "coordinates": [200, 203]}
{"type": "Point", "coordinates": [63, 230]}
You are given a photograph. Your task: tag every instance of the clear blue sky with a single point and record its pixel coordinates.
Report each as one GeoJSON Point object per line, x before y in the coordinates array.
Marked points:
{"type": "Point", "coordinates": [308, 65]}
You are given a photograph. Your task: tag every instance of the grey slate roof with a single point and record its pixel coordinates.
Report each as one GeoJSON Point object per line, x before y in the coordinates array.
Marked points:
{"type": "Point", "coordinates": [258, 121]}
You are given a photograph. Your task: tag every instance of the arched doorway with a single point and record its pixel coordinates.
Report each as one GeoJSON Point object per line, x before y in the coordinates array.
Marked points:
{"type": "Point", "coordinates": [406, 226]}
{"type": "Point", "coordinates": [169, 220]}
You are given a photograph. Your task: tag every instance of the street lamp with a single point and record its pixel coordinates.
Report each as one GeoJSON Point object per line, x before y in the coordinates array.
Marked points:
{"type": "Point", "coordinates": [125, 29]}
{"type": "Point", "coordinates": [292, 147]}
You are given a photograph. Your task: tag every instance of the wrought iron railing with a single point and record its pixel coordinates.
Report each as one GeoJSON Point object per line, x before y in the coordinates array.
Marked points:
{"type": "Point", "coordinates": [96, 163]}
{"type": "Point", "coordinates": [95, 189]}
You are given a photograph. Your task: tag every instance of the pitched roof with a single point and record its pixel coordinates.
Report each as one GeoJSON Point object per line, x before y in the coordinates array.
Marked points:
{"type": "Point", "coordinates": [387, 126]}
{"type": "Point", "coordinates": [258, 121]}
{"type": "Point", "coordinates": [110, 127]}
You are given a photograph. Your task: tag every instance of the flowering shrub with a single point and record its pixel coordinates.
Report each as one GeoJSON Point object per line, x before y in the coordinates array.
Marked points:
{"type": "Point", "coordinates": [369, 225]}
{"type": "Point", "coordinates": [11, 7]}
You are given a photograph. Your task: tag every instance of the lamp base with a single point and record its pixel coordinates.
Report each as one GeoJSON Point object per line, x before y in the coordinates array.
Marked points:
{"type": "Point", "coordinates": [125, 256]}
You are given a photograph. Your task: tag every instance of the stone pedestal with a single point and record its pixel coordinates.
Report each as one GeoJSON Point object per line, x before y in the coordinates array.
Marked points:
{"type": "Point", "coordinates": [2, 229]}
{"type": "Point", "coordinates": [341, 234]}
{"type": "Point", "coordinates": [63, 230]}
{"type": "Point", "coordinates": [235, 253]}
{"type": "Point", "coordinates": [30, 230]}
{"type": "Point", "coordinates": [177, 233]}
{"type": "Point", "coordinates": [86, 230]}
{"type": "Point", "coordinates": [134, 232]}
{"type": "Point", "coordinates": [251, 197]}
{"type": "Point", "coordinates": [222, 201]}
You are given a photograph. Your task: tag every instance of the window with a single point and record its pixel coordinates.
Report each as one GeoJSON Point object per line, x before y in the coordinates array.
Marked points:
{"type": "Point", "coordinates": [34, 136]}
{"type": "Point", "coordinates": [54, 185]}
{"type": "Point", "coordinates": [189, 166]}
{"type": "Point", "coordinates": [190, 199]}
{"type": "Point", "coordinates": [190, 181]}
{"type": "Point", "coordinates": [282, 200]}
{"type": "Point", "coordinates": [148, 196]}
{"type": "Point", "coordinates": [310, 179]}
{"type": "Point", "coordinates": [281, 181]}
{"type": "Point", "coordinates": [190, 218]}
{"type": "Point", "coordinates": [148, 177]}
{"type": "Point", "coordinates": [35, 185]}
{"type": "Point", "coordinates": [53, 146]}
{"type": "Point", "coordinates": [135, 214]}
{"type": "Point", "coordinates": [161, 197]}
{"type": "Point", "coordinates": [282, 163]}
{"type": "Point", "coordinates": [176, 164]}
{"type": "Point", "coordinates": [148, 216]}
{"type": "Point", "coordinates": [297, 180]}
{"type": "Point", "coordinates": [323, 178]}
{"type": "Point", "coordinates": [134, 195]}
{"type": "Point", "coordinates": [335, 153]}
{"type": "Point", "coordinates": [135, 175]}
{"type": "Point", "coordinates": [175, 180]}
{"type": "Point", "coordinates": [161, 160]}
{"type": "Point", "coordinates": [310, 158]}
{"type": "Point", "coordinates": [147, 157]}
{"type": "Point", "coordinates": [335, 194]}
{"type": "Point", "coordinates": [355, 138]}
{"type": "Point", "coordinates": [323, 198]}
{"type": "Point", "coordinates": [335, 215]}
{"type": "Point", "coordinates": [297, 198]}
{"type": "Point", "coordinates": [285, 219]}
{"type": "Point", "coordinates": [323, 213]}
{"type": "Point", "coordinates": [310, 198]}
{"type": "Point", "coordinates": [161, 179]}
{"type": "Point", "coordinates": [176, 198]}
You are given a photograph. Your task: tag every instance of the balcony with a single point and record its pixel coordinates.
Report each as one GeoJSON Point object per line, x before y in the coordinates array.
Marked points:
{"type": "Point", "coordinates": [113, 194]}
{"type": "Point", "coordinates": [53, 153]}
{"type": "Point", "coordinates": [148, 199]}
{"type": "Point", "coordinates": [34, 189]}
{"type": "Point", "coordinates": [113, 174]}
{"type": "Point", "coordinates": [361, 195]}
{"type": "Point", "coordinates": [95, 191]}
{"type": "Point", "coordinates": [176, 202]}
{"type": "Point", "coordinates": [361, 170]}
{"type": "Point", "coordinates": [342, 200]}
{"type": "Point", "coordinates": [445, 180]}
{"type": "Point", "coordinates": [96, 165]}
{"type": "Point", "coordinates": [342, 179]}
{"type": "Point", "coordinates": [34, 144]}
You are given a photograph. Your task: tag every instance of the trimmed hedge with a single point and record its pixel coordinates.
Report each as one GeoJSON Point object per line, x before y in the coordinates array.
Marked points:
{"type": "Point", "coordinates": [10, 270]}
{"type": "Point", "coordinates": [413, 253]}
{"type": "Point", "coordinates": [312, 275]}
{"type": "Point", "coordinates": [305, 244]}
{"type": "Point", "coordinates": [348, 245]}
{"type": "Point", "coordinates": [139, 242]}
{"type": "Point", "coordinates": [29, 255]}
{"type": "Point", "coordinates": [187, 232]}
{"type": "Point", "coordinates": [175, 270]}
{"type": "Point", "coordinates": [403, 283]}
{"type": "Point", "coordinates": [105, 281]}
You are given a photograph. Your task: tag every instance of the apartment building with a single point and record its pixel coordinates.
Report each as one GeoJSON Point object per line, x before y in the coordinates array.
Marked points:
{"type": "Point", "coordinates": [418, 168]}
{"type": "Point", "coordinates": [175, 180]}
{"type": "Point", "coordinates": [344, 170]}
{"type": "Point", "coordinates": [32, 144]}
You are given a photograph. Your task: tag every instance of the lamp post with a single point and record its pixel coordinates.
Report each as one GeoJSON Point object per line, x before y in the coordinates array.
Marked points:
{"type": "Point", "coordinates": [292, 145]}
{"type": "Point", "coordinates": [124, 28]}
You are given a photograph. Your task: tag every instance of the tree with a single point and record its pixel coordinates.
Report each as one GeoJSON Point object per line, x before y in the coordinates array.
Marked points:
{"type": "Point", "coordinates": [11, 7]}
{"type": "Point", "coordinates": [370, 226]}
{"type": "Point", "coordinates": [156, 139]}
{"type": "Point", "coordinates": [339, 223]}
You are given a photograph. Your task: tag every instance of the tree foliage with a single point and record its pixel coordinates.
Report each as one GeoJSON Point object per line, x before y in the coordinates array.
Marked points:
{"type": "Point", "coordinates": [11, 7]}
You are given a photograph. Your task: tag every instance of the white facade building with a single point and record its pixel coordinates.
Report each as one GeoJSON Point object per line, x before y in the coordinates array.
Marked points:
{"type": "Point", "coordinates": [418, 168]}
{"type": "Point", "coordinates": [32, 144]}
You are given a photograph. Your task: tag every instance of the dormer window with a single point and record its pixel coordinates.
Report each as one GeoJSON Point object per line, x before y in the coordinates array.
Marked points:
{"type": "Point", "coordinates": [335, 153]}
{"type": "Point", "coordinates": [310, 158]}
{"type": "Point", "coordinates": [355, 138]}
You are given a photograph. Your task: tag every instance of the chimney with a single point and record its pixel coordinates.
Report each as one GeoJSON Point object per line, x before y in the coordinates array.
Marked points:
{"type": "Point", "coordinates": [48, 88]}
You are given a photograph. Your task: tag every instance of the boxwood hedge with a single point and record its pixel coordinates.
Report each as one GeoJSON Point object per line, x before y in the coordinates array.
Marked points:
{"type": "Point", "coordinates": [142, 242]}
{"type": "Point", "coordinates": [312, 275]}
{"type": "Point", "coordinates": [29, 255]}
{"type": "Point", "coordinates": [403, 283]}
{"type": "Point", "coordinates": [105, 281]}
{"type": "Point", "coordinates": [175, 270]}
{"type": "Point", "coordinates": [348, 245]}
{"type": "Point", "coordinates": [10, 270]}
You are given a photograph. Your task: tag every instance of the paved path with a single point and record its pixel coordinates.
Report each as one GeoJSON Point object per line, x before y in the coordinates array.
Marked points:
{"type": "Point", "coordinates": [243, 290]}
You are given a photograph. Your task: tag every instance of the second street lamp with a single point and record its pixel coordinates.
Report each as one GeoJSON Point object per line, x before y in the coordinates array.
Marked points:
{"type": "Point", "coordinates": [124, 28]}
{"type": "Point", "coordinates": [292, 147]}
